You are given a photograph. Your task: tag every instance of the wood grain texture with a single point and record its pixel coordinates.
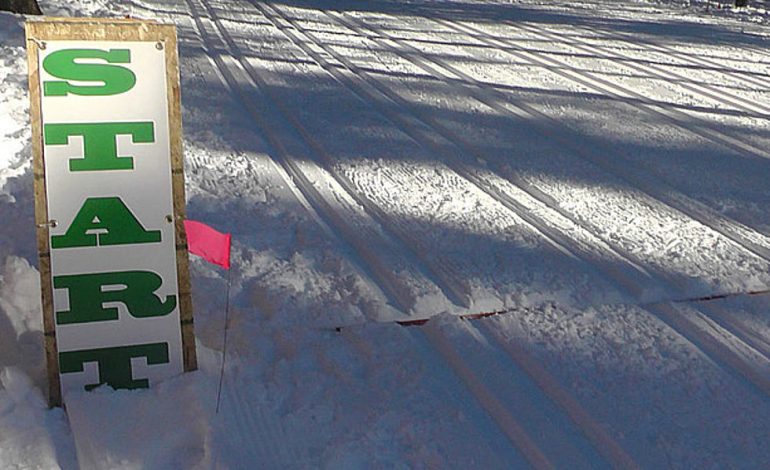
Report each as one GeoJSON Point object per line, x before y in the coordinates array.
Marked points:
{"type": "Point", "coordinates": [177, 184]}
{"type": "Point", "coordinates": [41, 223]}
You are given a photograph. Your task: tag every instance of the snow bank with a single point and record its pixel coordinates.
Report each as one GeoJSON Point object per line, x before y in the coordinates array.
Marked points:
{"type": "Point", "coordinates": [163, 427]}
{"type": "Point", "coordinates": [31, 436]}
{"type": "Point", "coordinates": [108, 8]}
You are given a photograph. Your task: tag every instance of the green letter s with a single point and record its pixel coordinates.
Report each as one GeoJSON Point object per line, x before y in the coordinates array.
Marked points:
{"type": "Point", "coordinates": [114, 78]}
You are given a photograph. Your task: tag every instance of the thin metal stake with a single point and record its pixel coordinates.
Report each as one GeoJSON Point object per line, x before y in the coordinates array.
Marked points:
{"type": "Point", "coordinates": [224, 344]}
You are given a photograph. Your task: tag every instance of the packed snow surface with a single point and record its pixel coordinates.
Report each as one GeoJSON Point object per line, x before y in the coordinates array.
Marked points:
{"type": "Point", "coordinates": [595, 173]}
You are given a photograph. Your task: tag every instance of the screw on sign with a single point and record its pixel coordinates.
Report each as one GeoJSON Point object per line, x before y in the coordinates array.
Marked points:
{"type": "Point", "coordinates": [107, 146]}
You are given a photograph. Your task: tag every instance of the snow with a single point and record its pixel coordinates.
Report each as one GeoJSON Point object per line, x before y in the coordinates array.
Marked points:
{"type": "Point", "coordinates": [579, 166]}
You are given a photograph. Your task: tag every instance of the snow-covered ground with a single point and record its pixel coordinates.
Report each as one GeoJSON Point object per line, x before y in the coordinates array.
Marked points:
{"type": "Point", "coordinates": [582, 167]}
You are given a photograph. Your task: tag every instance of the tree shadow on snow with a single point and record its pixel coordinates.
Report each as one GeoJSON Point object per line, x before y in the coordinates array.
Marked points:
{"type": "Point", "coordinates": [666, 29]}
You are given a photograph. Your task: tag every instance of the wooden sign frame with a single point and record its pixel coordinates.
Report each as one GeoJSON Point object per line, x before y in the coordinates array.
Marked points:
{"type": "Point", "coordinates": [108, 29]}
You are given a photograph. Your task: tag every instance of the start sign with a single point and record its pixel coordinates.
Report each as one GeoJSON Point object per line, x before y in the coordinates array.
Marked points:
{"type": "Point", "coordinates": [109, 192]}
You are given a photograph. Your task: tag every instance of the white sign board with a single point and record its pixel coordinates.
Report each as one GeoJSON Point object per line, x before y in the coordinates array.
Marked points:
{"type": "Point", "coordinates": [110, 220]}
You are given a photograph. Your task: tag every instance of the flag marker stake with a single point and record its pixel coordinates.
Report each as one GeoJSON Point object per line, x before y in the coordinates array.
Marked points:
{"type": "Point", "coordinates": [224, 342]}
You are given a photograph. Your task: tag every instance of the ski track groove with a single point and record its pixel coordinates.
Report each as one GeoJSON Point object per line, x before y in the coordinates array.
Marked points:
{"type": "Point", "coordinates": [693, 209]}
{"type": "Point", "coordinates": [727, 321]}
{"type": "Point", "coordinates": [384, 278]}
{"type": "Point", "coordinates": [645, 11]}
{"type": "Point", "coordinates": [286, 175]}
{"type": "Point", "coordinates": [711, 65]}
{"type": "Point", "coordinates": [494, 407]}
{"type": "Point", "coordinates": [712, 312]}
{"type": "Point", "coordinates": [633, 266]}
{"type": "Point", "coordinates": [478, 392]}
{"type": "Point", "coordinates": [699, 127]}
{"type": "Point", "coordinates": [356, 89]}
{"type": "Point", "coordinates": [440, 272]}
{"type": "Point", "coordinates": [629, 277]}
{"type": "Point", "coordinates": [711, 338]}
{"type": "Point", "coordinates": [704, 341]}
{"type": "Point", "coordinates": [732, 361]}
{"type": "Point", "coordinates": [689, 330]}
{"type": "Point", "coordinates": [605, 444]}
{"type": "Point", "coordinates": [703, 90]}
{"type": "Point", "coordinates": [735, 231]}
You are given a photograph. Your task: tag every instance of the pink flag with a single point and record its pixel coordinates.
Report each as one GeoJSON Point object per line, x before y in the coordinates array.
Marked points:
{"type": "Point", "coordinates": [207, 243]}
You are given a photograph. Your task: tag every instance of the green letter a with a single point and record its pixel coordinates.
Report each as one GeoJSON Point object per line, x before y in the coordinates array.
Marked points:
{"type": "Point", "coordinates": [111, 219]}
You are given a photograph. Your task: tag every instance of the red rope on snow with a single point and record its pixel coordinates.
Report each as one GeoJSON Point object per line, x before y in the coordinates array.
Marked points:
{"type": "Point", "coordinates": [477, 316]}
{"type": "Point", "coordinates": [719, 296]}
{"type": "Point", "coordinates": [467, 316]}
